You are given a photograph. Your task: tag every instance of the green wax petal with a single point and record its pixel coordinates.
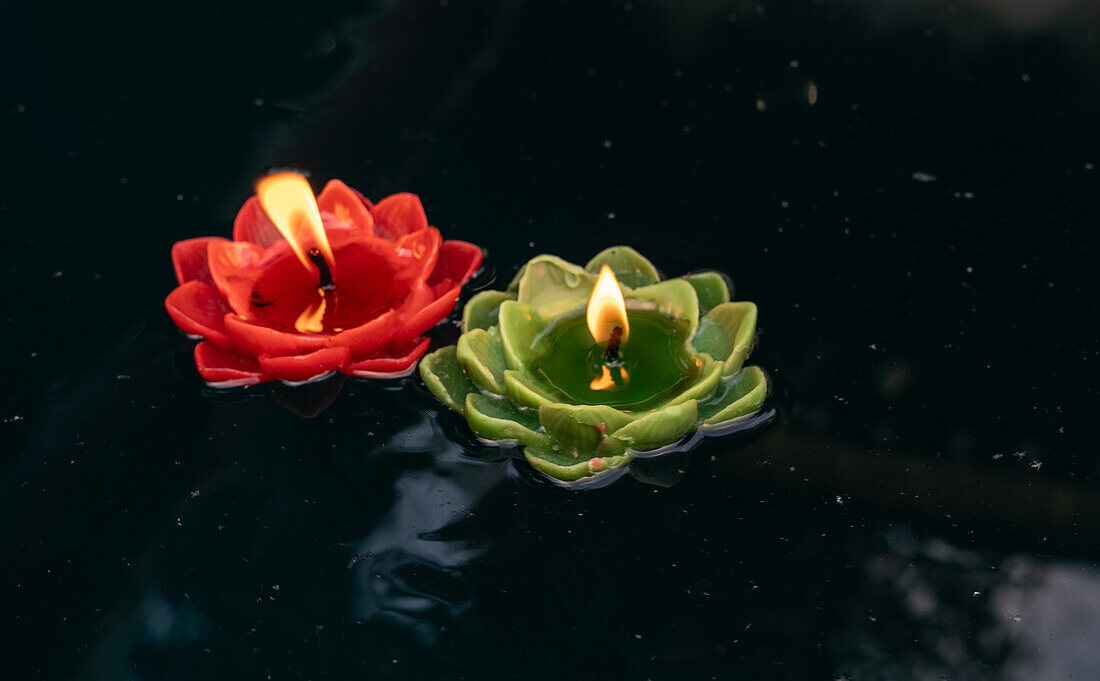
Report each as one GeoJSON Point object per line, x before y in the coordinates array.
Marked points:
{"type": "Point", "coordinates": [483, 310]}
{"type": "Point", "coordinates": [519, 327]}
{"type": "Point", "coordinates": [498, 419]}
{"type": "Point", "coordinates": [713, 340]}
{"type": "Point", "coordinates": [658, 428]}
{"type": "Point", "coordinates": [482, 355]}
{"type": "Point", "coordinates": [631, 268]}
{"type": "Point", "coordinates": [581, 427]}
{"type": "Point", "coordinates": [675, 298]}
{"type": "Point", "coordinates": [726, 333]}
{"type": "Point", "coordinates": [704, 385]}
{"type": "Point", "coordinates": [553, 287]}
{"type": "Point", "coordinates": [565, 467]}
{"type": "Point", "coordinates": [528, 390]}
{"type": "Point", "coordinates": [743, 394]}
{"type": "Point", "coordinates": [711, 288]}
{"type": "Point", "coordinates": [738, 323]}
{"type": "Point", "coordinates": [446, 379]}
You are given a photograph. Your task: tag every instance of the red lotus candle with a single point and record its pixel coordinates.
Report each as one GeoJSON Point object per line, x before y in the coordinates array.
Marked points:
{"type": "Point", "coordinates": [308, 287]}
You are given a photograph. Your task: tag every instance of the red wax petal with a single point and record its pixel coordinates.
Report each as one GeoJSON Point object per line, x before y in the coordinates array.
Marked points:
{"type": "Point", "coordinates": [348, 205]}
{"type": "Point", "coordinates": [235, 266]}
{"type": "Point", "coordinates": [458, 260]}
{"type": "Point", "coordinates": [253, 225]}
{"type": "Point", "coordinates": [304, 367]}
{"type": "Point", "coordinates": [189, 259]}
{"type": "Point", "coordinates": [370, 337]}
{"type": "Point", "coordinates": [399, 363]}
{"type": "Point", "coordinates": [226, 369]}
{"type": "Point", "coordinates": [398, 215]}
{"type": "Point", "coordinates": [441, 288]}
{"type": "Point", "coordinates": [430, 315]}
{"type": "Point", "coordinates": [261, 340]}
{"type": "Point", "coordinates": [422, 248]}
{"type": "Point", "coordinates": [419, 297]}
{"type": "Point", "coordinates": [197, 309]}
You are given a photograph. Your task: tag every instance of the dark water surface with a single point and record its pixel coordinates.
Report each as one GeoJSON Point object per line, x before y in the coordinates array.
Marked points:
{"type": "Point", "coordinates": [907, 190]}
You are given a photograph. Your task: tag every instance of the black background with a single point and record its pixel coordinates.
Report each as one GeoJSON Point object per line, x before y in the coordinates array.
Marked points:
{"type": "Point", "coordinates": [907, 190]}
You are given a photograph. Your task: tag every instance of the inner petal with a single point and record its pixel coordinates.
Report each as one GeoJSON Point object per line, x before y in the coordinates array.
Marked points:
{"type": "Point", "coordinates": [365, 287]}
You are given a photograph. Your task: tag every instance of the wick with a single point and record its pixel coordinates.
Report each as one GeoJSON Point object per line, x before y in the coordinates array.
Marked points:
{"type": "Point", "coordinates": [612, 352]}
{"type": "Point", "coordinates": [317, 259]}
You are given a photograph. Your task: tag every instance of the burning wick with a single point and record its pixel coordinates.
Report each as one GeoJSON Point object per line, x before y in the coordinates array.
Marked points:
{"type": "Point", "coordinates": [326, 283]}
{"type": "Point", "coordinates": [608, 323]}
{"type": "Point", "coordinates": [611, 354]}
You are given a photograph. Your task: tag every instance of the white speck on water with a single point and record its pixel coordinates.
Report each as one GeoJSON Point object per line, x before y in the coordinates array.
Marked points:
{"type": "Point", "coordinates": [179, 197]}
{"type": "Point", "coordinates": [610, 216]}
{"type": "Point", "coordinates": [921, 176]}
{"type": "Point", "coordinates": [58, 273]}
{"type": "Point", "coordinates": [969, 269]}
{"type": "Point", "coordinates": [794, 63]}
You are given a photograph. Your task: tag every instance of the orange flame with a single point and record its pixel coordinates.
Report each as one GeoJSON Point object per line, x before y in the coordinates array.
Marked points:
{"type": "Point", "coordinates": [606, 308]}
{"type": "Point", "coordinates": [312, 318]}
{"type": "Point", "coordinates": [606, 382]}
{"type": "Point", "coordinates": [289, 202]}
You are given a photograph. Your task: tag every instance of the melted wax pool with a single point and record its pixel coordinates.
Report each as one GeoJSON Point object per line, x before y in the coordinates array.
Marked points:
{"type": "Point", "coordinates": [653, 360]}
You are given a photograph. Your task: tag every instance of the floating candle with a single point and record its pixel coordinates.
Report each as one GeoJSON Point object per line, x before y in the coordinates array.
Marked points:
{"type": "Point", "coordinates": [586, 372]}
{"type": "Point", "coordinates": [311, 286]}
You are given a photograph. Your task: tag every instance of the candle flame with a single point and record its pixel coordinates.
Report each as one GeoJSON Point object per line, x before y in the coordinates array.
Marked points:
{"type": "Point", "coordinates": [289, 202]}
{"type": "Point", "coordinates": [312, 318]}
{"type": "Point", "coordinates": [606, 382]}
{"type": "Point", "coordinates": [606, 308]}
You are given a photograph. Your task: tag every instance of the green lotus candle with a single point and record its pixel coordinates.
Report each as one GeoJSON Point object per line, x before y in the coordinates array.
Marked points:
{"type": "Point", "coordinates": [588, 367]}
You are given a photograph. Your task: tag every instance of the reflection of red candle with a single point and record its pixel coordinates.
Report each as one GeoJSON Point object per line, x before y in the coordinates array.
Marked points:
{"type": "Point", "coordinates": [309, 287]}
